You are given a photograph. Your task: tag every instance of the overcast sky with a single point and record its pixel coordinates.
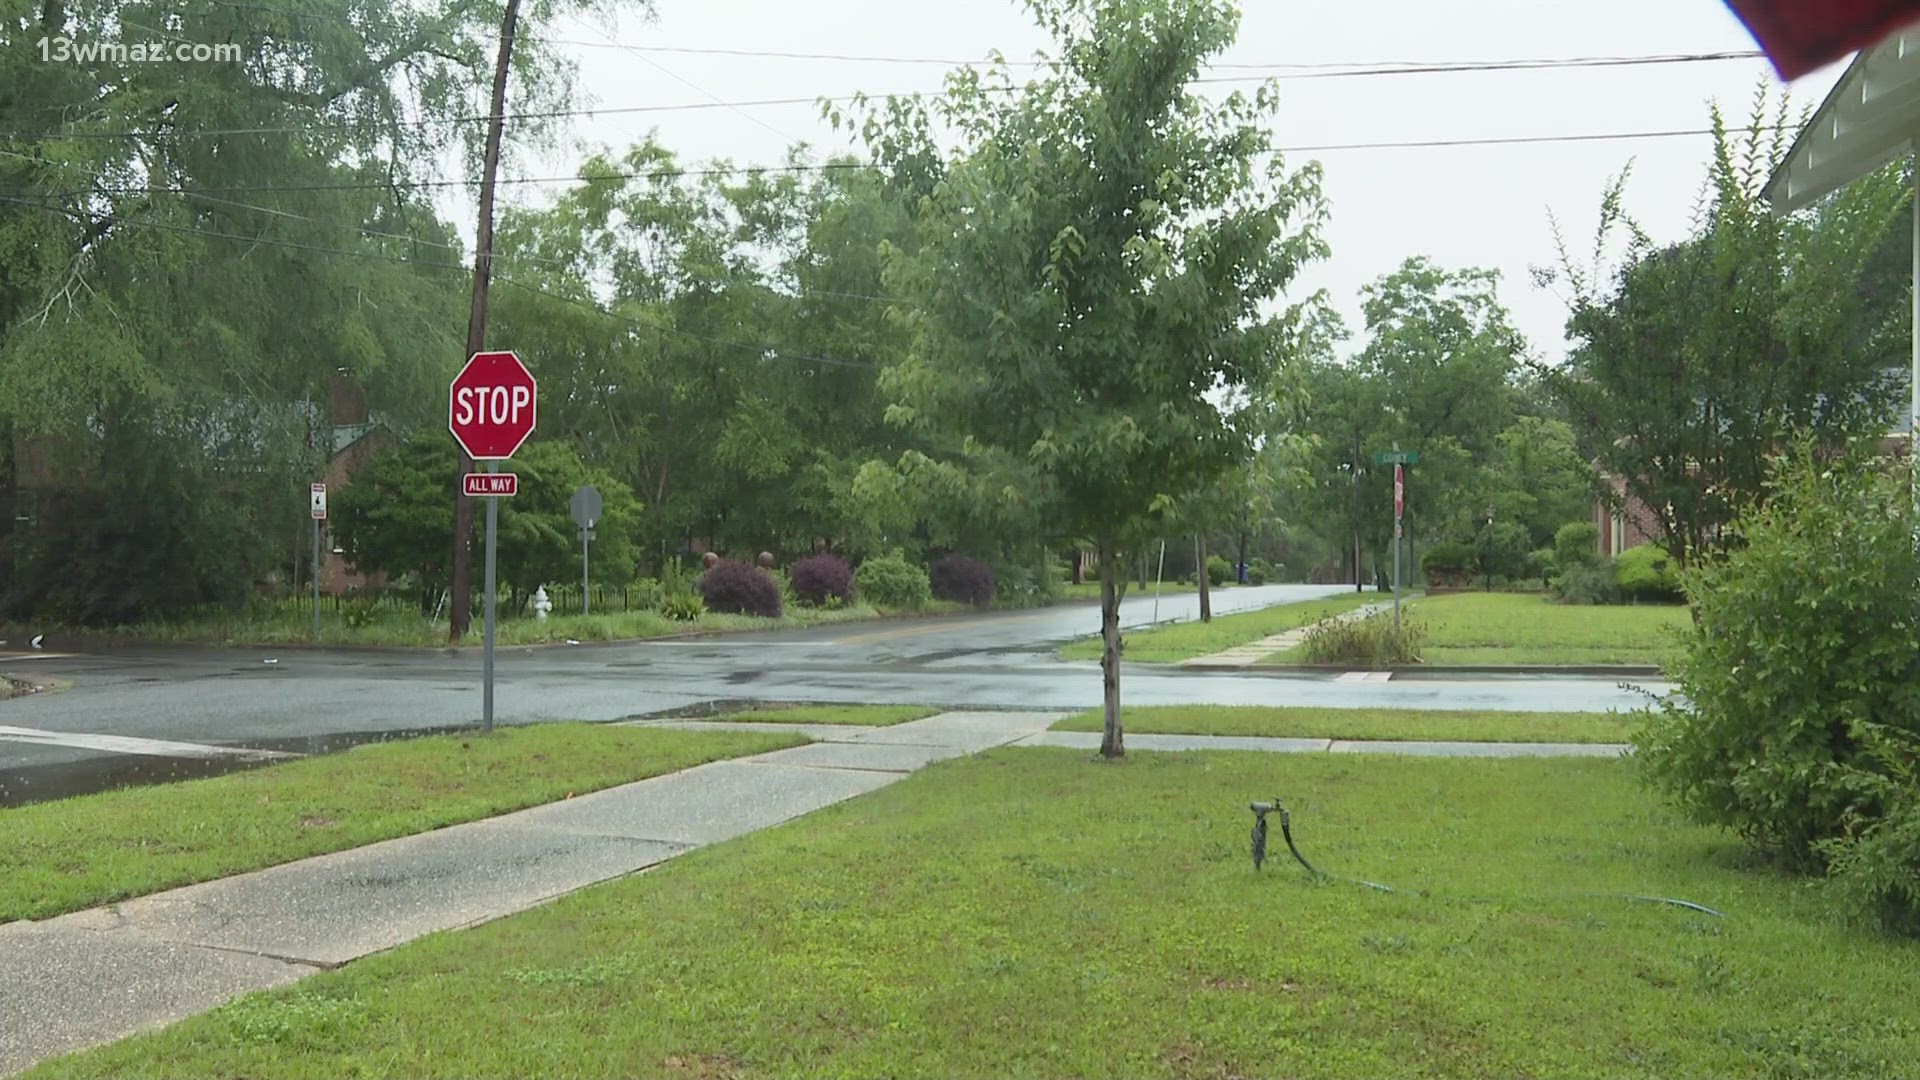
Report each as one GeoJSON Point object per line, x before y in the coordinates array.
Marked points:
{"type": "Point", "coordinates": [1462, 206]}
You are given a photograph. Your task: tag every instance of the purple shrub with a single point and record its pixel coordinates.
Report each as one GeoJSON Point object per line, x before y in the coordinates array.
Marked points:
{"type": "Point", "coordinates": [817, 577]}
{"type": "Point", "coordinates": [957, 577]}
{"type": "Point", "coordinates": [739, 589]}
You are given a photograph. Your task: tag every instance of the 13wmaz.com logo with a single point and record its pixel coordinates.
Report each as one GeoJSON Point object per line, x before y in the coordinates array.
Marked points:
{"type": "Point", "coordinates": [60, 50]}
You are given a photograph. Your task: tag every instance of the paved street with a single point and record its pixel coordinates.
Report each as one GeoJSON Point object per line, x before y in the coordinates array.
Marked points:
{"type": "Point", "coordinates": [234, 697]}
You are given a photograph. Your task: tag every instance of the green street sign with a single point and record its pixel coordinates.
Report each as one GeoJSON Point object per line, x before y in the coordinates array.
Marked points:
{"type": "Point", "coordinates": [1396, 457]}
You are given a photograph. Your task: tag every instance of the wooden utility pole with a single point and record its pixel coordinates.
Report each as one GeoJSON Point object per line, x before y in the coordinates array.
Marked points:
{"type": "Point", "coordinates": [1356, 510]}
{"type": "Point", "coordinates": [460, 614]}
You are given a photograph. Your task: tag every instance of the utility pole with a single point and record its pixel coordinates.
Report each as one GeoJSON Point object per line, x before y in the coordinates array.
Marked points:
{"type": "Point", "coordinates": [460, 614]}
{"type": "Point", "coordinates": [1356, 510]}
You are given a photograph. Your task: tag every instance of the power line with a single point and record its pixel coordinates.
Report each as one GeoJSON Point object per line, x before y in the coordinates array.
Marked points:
{"type": "Point", "coordinates": [738, 106]}
{"type": "Point", "coordinates": [831, 166]}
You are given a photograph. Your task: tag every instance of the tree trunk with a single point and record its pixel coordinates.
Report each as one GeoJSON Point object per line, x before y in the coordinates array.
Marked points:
{"type": "Point", "coordinates": [1143, 567]}
{"type": "Point", "coordinates": [1205, 582]}
{"type": "Point", "coordinates": [1079, 566]}
{"type": "Point", "coordinates": [461, 614]}
{"type": "Point", "coordinates": [1111, 744]}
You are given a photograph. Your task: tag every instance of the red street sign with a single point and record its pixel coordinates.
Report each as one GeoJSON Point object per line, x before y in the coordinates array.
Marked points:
{"type": "Point", "coordinates": [490, 406]}
{"type": "Point", "coordinates": [1399, 491]}
{"type": "Point", "coordinates": [1799, 35]}
{"type": "Point", "coordinates": [483, 484]}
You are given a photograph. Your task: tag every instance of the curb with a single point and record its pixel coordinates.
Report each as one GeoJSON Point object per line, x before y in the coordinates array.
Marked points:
{"type": "Point", "coordinates": [1591, 670]}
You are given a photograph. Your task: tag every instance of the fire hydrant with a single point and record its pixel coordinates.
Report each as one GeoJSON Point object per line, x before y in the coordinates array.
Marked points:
{"type": "Point", "coordinates": [541, 604]}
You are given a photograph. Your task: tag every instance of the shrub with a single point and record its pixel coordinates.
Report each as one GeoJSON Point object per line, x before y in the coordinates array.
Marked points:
{"type": "Point", "coordinates": [1372, 642]}
{"type": "Point", "coordinates": [893, 582]}
{"type": "Point", "coordinates": [1577, 544]}
{"type": "Point", "coordinates": [1540, 565]}
{"type": "Point", "coordinates": [1646, 573]}
{"type": "Point", "coordinates": [1219, 570]}
{"type": "Point", "coordinates": [736, 588]}
{"type": "Point", "coordinates": [817, 577]}
{"type": "Point", "coordinates": [644, 594]}
{"type": "Point", "coordinates": [1449, 565]}
{"type": "Point", "coordinates": [1798, 705]}
{"type": "Point", "coordinates": [957, 577]}
{"type": "Point", "coordinates": [1255, 575]}
{"type": "Point", "coordinates": [682, 607]}
{"type": "Point", "coordinates": [1591, 584]}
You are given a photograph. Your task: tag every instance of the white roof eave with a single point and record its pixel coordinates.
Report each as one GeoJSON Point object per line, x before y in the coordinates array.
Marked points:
{"type": "Point", "coordinates": [1871, 116]}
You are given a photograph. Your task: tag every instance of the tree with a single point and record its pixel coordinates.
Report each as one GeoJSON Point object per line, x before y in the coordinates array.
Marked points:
{"type": "Point", "coordinates": [393, 516]}
{"type": "Point", "coordinates": [1695, 362]}
{"type": "Point", "coordinates": [1093, 262]}
{"type": "Point", "coordinates": [1539, 478]}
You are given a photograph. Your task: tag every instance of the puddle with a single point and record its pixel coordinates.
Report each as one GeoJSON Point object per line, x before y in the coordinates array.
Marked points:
{"type": "Point", "coordinates": [107, 772]}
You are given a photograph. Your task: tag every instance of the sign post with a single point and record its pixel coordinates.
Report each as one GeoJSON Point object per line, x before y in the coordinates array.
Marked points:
{"type": "Point", "coordinates": [491, 411]}
{"type": "Point", "coordinates": [317, 498]}
{"type": "Point", "coordinates": [585, 508]}
{"type": "Point", "coordinates": [1399, 459]}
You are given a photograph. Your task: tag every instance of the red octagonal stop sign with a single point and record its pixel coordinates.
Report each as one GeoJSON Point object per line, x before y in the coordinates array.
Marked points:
{"type": "Point", "coordinates": [490, 407]}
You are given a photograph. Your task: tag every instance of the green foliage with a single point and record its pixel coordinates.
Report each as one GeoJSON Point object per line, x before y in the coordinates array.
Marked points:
{"type": "Point", "coordinates": [1501, 549]}
{"type": "Point", "coordinates": [1589, 583]}
{"type": "Point", "coordinates": [1256, 575]}
{"type": "Point", "coordinates": [1448, 557]}
{"type": "Point", "coordinates": [1219, 570]}
{"type": "Point", "coordinates": [1370, 642]}
{"type": "Point", "coordinates": [1646, 572]}
{"type": "Point", "coordinates": [1694, 362]}
{"type": "Point", "coordinates": [1799, 701]}
{"type": "Point", "coordinates": [539, 543]}
{"type": "Point", "coordinates": [682, 606]}
{"type": "Point", "coordinates": [892, 582]}
{"type": "Point", "coordinates": [1577, 543]}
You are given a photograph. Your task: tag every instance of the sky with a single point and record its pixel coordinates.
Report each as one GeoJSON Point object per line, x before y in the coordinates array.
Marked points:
{"type": "Point", "coordinates": [1480, 206]}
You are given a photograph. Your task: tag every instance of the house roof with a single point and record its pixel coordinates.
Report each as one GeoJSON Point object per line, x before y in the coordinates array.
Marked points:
{"type": "Point", "coordinates": [1871, 116]}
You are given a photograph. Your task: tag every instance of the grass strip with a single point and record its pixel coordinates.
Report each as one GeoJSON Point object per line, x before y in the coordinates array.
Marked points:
{"type": "Point", "coordinates": [1285, 721]}
{"type": "Point", "coordinates": [1186, 640]}
{"type": "Point", "coordinates": [1030, 912]}
{"type": "Point", "coordinates": [77, 853]}
{"type": "Point", "coordinates": [858, 715]}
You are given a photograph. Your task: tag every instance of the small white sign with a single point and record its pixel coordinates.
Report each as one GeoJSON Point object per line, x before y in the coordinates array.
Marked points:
{"type": "Point", "coordinates": [319, 492]}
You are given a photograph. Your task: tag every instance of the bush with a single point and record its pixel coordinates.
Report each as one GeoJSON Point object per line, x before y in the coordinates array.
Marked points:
{"type": "Point", "coordinates": [682, 607]}
{"type": "Point", "coordinates": [817, 577]}
{"type": "Point", "coordinates": [1646, 573]}
{"type": "Point", "coordinates": [1592, 584]}
{"type": "Point", "coordinates": [644, 594]}
{"type": "Point", "coordinates": [1219, 571]}
{"type": "Point", "coordinates": [1372, 642]}
{"type": "Point", "coordinates": [1540, 565]}
{"type": "Point", "coordinates": [1576, 544]}
{"type": "Point", "coordinates": [735, 588]}
{"type": "Point", "coordinates": [957, 577]}
{"type": "Point", "coordinates": [1449, 565]}
{"type": "Point", "coordinates": [1255, 575]}
{"type": "Point", "coordinates": [893, 582]}
{"type": "Point", "coordinates": [1798, 711]}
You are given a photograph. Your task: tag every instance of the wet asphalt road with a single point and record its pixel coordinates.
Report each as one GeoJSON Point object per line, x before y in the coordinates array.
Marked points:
{"type": "Point", "coordinates": [232, 697]}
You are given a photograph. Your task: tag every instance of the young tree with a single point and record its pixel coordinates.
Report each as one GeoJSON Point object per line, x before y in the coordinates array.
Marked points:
{"type": "Point", "coordinates": [1696, 362]}
{"type": "Point", "coordinates": [1098, 259]}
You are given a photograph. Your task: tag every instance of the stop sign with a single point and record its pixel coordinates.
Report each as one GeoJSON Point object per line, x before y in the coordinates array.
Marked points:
{"type": "Point", "coordinates": [490, 407]}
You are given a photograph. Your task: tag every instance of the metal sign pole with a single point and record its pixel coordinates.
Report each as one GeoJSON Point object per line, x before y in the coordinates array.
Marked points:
{"type": "Point", "coordinates": [316, 579]}
{"type": "Point", "coordinates": [1399, 497]}
{"type": "Point", "coordinates": [586, 591]}
{"type": "Point", "coordinates": [493, 527]}
{"type": "Point", "coordinates": [1159, 576]}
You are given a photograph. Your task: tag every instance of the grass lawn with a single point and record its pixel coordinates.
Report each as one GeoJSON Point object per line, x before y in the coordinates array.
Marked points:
{"type": "Point", "coordinates": [1029, 913]}
{"type": "Point", "coordinates": [862, 715]}
{"type": "Point", "coordinates": [1526, 628]}
{"type": "Point", "coordinates": [1306, 723]}
{"type": "Point", "coordinates": [290, 626]}
{"type": "Point", "coordinates": [94, 849]}
{"type": "Point", "coordinates": [1183, 641]}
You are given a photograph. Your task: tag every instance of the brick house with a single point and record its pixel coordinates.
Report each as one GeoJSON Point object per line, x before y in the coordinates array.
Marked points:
{"type": "Point", "coordinates": [1634, 523]}
{"type": "Point", "coordinates": [351, 437]}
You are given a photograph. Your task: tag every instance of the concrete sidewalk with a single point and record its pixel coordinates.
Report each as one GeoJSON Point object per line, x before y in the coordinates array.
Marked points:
{"type": "Point", "coordinates": [94, 976]}
{"type": "Point", "coordinates": [99, 975]}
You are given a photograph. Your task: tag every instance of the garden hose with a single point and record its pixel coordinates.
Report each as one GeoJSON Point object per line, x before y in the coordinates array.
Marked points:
{"type": "Point", "coordinates": [1261, 810]}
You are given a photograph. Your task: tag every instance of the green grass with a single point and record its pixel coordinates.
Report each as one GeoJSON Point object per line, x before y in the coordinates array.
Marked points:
{"type": "Point", "coordinates": [1518, 628]}
{"type": "Point", "coordinates": [1308, 723]}
{"type": "Point", "coordinates": [95, 849]}
{"type": "Point", "coordinates": [862, 715]}
{"type": "Point", "coordinates": [1183, 641]}
{"type": "Point", "coordinates": [1030, 913]}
